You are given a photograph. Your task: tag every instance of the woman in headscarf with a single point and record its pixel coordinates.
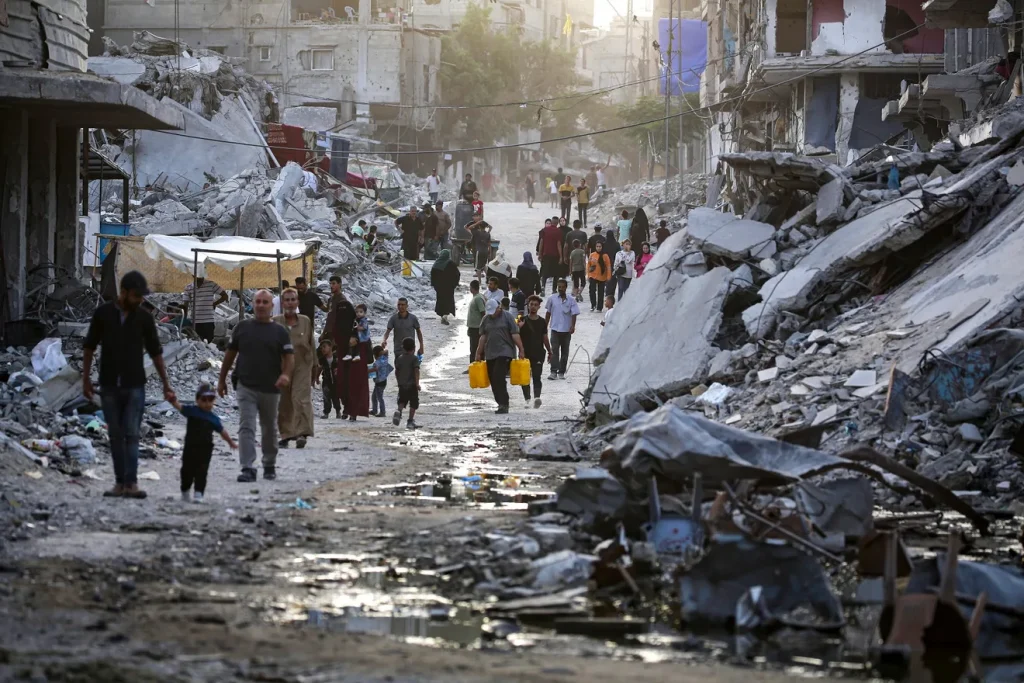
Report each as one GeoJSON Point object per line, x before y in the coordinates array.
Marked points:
{"type": "Point", "coordinates": [528, 275]}
{"type": "Point", "coordinates": [444, 278]}
{"type": "Point", "coordinates": [563, 263]}
{"type": "Point", "coordinates": [501, 269]}
{"type": "Point", "coordinates": [640, 229]}
{"type": "Point", "coordinates": [611, 247]}
{"type": "Point", "coordinates": [643, 257]}
{"type": "Point", "coordinates": [295, 408]}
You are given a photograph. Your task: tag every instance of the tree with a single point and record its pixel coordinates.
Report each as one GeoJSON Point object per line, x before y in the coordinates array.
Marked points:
{"type": "Point", "coordinates": [483, 65]}
{"type": "Point", "coordinates": [650, 137]}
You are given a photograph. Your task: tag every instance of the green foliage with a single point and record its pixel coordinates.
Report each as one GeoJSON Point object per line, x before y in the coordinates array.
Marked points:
{"type": "Point", "coordinates": [602, 115]}
{"type": "Point", "coordinates": [481, 64]}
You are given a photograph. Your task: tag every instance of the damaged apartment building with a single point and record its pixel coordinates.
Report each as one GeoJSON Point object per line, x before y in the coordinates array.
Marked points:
{"type": "Point", "coordinates": [815, 76]}
{"type": "Point", "coordinates": [358, 64]}
{"type": "Point", "coordinates": [46, 100]}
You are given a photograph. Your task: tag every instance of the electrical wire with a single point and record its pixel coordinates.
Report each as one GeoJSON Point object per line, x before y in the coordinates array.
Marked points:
{"type": "Point", "coordinates": [576, 136]}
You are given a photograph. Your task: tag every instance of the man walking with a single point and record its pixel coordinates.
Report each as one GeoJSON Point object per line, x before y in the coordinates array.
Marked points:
{"type": "Point", "coordinates": [444, 226]}
{"type": "Point", "coordinates": [549, 251]}
{"type": "Point", "coordinates": [531, 190]}
{"type": "Point", "coordinates": [124, 330]}
{"type": "Point", "coordinates": [499, 342]}
{"type": "Point", "coordinates": [477, 311]}
{"type": "Point", "coordinates": [433, 185]}
{"type": "Point", "coordinates": [561, 318]}
{"type": "Point", "coordinates": [566, 191]}
{"type": "Point", "coordinates": [533, 330]}
{"type": "Point", "coordinates": [309, 300]}
{"type": "Point", "coordinates": [468, 188]}
{"type": "Point", "coordinates": [208, 295]}
{"type": "Point", "coordinates": [265, 363]}
{"type": "Point", "coordinates": [404, 324]}
{"type": "Point", "coordinates": [583, 200]}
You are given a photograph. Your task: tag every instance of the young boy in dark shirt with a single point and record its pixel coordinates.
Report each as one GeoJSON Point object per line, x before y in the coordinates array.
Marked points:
{"type": "Point", "coordinates": [407, 372]}
{"type": "Point", "coordinates": [326, 375]}
{"type": "Point", "coordinates": [202, 423]}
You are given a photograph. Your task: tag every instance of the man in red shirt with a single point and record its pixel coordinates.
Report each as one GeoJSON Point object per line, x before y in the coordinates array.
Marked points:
{"type": "Point", "coordinates": [549, 251]}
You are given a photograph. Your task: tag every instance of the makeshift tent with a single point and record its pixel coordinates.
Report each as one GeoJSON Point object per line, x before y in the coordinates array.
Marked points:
{"type": "Point", "coordinates": [232, 262]}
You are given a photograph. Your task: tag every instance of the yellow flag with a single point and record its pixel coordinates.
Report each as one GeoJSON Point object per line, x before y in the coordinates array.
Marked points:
{"type": "Point", "coordinates": [567, 29]}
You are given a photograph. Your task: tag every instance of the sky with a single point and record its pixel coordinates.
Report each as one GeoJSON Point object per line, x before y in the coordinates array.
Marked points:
{"type": "Point", "coordinates": [605, 10]}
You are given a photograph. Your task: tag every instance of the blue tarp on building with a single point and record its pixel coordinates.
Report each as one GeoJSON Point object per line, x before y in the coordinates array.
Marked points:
{"type": "Point", "coordinates": [689, 54]}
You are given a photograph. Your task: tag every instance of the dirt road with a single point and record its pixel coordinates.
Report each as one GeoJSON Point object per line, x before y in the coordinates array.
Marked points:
{"type": "Point", "coordinates": [289, 580]}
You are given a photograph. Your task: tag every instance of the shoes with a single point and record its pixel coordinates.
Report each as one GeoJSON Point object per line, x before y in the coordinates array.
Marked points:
{"type": "Point", "coordinates": [326, 415]}
{"type": "Point", "coordinates": [133, 491]}
{"type": "Point", "coordinates": [502, 410]}
{"type": "Point", "coordinates": [347, 358]}
{"type": "Point", "coordinates": [187, 496]}
{"type": "Point", "coordinates": [300, 442]}
{"type": "Point", "coordinates": [561, 375]}
{"type": "Point", "coordinates": [115, 492]}
{"type": "Point", "coordinates": [373, 413]}
{"type": "Point", "coordinates": [396, 419]}
{"type": "Point", "coordinates": [248, 475]}
{"type": "Point", "coordinates": [283, 443]}
{"type": "Point", "coordinates": [466, 371]}
{"type": "Point", "coordinates": [536, 403]}
{"type": "Point", "coordinates": [411, 425]}
{"type": "Point", "coordinates": [444, 321]}
{"type": "Point", "coordinates": [197, 497]}
{"type": "Point", "coordinates": [337, 413]}
{"type": "Point", "coordinates": [343, 416]}
{"type": "Point", "coordinates": [352, 417]}
{"type": "Point", "coordinates": [269, 473]}
{"type": "Point", "coordinates": [553, 375]}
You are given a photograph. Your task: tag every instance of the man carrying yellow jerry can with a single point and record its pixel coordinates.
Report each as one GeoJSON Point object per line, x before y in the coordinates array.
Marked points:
{"type": "Point", "coordinates": [498, 346]}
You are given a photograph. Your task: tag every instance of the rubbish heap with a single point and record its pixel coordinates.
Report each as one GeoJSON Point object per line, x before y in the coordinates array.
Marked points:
{"type": "Point", "coordinates": [839, 393]}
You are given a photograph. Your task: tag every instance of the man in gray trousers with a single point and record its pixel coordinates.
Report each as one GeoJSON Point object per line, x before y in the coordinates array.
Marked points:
{"type": "Point", "coordinates": [265, 362]}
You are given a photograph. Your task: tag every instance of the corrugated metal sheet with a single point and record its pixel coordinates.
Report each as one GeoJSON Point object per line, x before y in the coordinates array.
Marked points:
{"type": "Point", "coordinates": [63, 24]}
{"type": "Point", "coordinates": [966, 47]}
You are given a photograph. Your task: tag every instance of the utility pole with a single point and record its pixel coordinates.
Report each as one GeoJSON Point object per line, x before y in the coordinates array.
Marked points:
{"type": "Point", "coordinates": [668, 91]}
{"type": "Point", "coordinates": [629, 46]}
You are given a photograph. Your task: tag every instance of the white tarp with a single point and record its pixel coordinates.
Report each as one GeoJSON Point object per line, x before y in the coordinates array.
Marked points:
{"type": "Point", "coordinates": [179, 251]}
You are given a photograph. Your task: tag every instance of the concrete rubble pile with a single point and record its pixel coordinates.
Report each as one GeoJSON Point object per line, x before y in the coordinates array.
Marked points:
{"type": "Point", "coordinates": [653, 197]}
{"type": "Point", "coordinates": [223, 108]}
{"type": "Point", "coordinates": [847, 341]}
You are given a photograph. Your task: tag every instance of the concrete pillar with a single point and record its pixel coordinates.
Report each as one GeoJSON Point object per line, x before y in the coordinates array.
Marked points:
{"type": "Point", "coordinates": [42, 192]}
{"type": "Point", "coordinates": [67, 239]}
{"type": "Point", "coordinates": [14, 206]}
{"type": "Point", "coordinates": [849, 95]}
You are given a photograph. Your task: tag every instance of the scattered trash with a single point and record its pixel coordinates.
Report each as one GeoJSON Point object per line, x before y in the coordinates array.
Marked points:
{"type": "Point", "coordinates": [300, 504]}
{"type": "Point", "coordinates": [79, 448]}
{"type": "Point", "coordinates": [151, 475]}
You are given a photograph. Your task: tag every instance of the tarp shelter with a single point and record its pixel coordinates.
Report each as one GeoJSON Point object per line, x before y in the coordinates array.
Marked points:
{"type": "Point", "coordinates": [232, 262]}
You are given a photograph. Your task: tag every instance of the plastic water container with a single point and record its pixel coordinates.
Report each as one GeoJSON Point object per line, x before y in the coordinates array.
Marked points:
{"type": "Point", "coordinates": [519, 372]}
{"type": "Point", "coordinates": [478, 377]}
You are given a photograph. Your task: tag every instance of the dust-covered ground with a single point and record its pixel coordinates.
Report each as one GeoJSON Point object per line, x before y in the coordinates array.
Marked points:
{"type": "Point", "coordinates": [299, 579]}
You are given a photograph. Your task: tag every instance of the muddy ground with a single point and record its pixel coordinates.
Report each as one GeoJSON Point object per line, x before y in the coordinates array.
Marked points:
{"type": "Point", "coordinates": [330, 573]}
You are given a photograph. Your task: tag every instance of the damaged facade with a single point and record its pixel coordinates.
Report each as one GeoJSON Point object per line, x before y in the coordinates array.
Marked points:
{"type": "Point", "coordinates": [46, 100]}
{"type": "Point", "coordinates": [314, 54]}
{"type": "Point", "coordinates": [854, 54]}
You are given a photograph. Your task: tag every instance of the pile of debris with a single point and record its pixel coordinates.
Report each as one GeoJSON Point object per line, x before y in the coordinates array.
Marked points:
{"type": "Point", "coordinates": [669, 203]}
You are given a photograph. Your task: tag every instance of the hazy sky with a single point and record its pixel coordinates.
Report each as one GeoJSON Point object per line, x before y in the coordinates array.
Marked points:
{"type": "Point", "coordinates": [604, 12]}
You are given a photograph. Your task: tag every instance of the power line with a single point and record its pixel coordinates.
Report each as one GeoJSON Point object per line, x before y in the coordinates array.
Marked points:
{"type": "Point", "coordinates": [576, 136]}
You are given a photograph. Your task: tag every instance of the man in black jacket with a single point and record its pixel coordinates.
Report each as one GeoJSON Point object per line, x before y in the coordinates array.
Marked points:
{"type": "Point", "coordinates": [468, 188]}
{"type": "Point", "coordinates": [124, 331]}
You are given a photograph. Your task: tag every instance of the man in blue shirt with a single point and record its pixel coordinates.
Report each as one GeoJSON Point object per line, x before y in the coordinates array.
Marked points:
{"type": "Point", "coordinates": [561, 317]}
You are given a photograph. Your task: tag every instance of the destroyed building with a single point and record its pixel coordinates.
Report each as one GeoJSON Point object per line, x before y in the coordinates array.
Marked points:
{"type": "Point", "coordinates": [357, 61]}
{"type": "Point", "coordinates": [46, 101]}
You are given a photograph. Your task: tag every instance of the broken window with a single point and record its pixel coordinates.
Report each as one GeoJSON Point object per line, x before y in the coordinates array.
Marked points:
{"type": "Point", "coordinates": [264, 53]}
{"type": "Point", "coordinates": [898, 28]}
{"type": "Point", "coordinates": [322, 60]}
{"type": "Point", "coordinates": [221, 49]}
{"type": "Point", "coordinates": [791, 27]}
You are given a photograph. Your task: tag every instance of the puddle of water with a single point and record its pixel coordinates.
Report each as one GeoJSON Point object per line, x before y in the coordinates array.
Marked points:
{"type": "Point", "coordinates": [495, 488]}
{"type": "Point", "coordinates": [438, 625]}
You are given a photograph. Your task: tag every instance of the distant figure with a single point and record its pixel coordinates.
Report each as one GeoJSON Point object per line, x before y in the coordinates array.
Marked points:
{"type": "Point", "coordinates": [433, 185]}
{"type": "Point", "coordinates": [531, 189]}
{"type": "Point", "coordinates": [208, 295]}
{"type": "Point", "coordinates": [467, 188]}
{"type": "Point", "coordinates": [444, 278]}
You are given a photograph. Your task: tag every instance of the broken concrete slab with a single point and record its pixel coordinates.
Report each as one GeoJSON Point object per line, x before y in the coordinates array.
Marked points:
{"type": "Point", "coordinates": [555, 446]}
{"type": "Point", "coordinates": [891, 227]}
{"type": "Point", "coordinates": [825, 415]}
{"type": "Point", "coordinates": [682, 329]}
{"type": "Point", "coordinates": [725, 234]}
{"type": "Point", "coordinates": [319, 119]}
{"type": "Point", "coordinates": [124, 70]}
{"type": "Point", "coordinates": [720, 364]}
{"type": "Point", "coordinates": [829, 207]}
{"type": "Point", "coordinates": [862, 378]}
{"type": "Point", "coordinates": [767, 375]}
{"type": "Point", "coordinates": [759, 321]}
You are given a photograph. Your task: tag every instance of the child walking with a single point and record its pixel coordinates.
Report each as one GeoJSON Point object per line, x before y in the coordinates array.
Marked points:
{"type": "Point", "coordinates": [407, 371]}
{"type": "Point", "coordinates": [199, 430]}
{"type": "Point", "coordinates": [379, 372]}
{"type": "Point", "coordinates": [578, 268]}
{"type": "Point", "coordinates": [326, 372]}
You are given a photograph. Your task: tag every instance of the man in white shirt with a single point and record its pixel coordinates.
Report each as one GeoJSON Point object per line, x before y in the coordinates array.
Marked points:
{"type": "Point", "coordinates": [433, 186]}
{"type": "Point", "coordinates": [562, 311]}
{"type": "Point", "coordinates": [277, 299]}
{"type": "Point", "coordinates": [208, 295]}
